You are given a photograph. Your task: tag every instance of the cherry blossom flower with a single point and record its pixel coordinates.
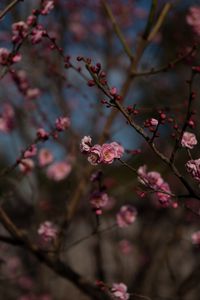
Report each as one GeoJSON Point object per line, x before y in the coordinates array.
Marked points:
{"type": "Point", "coordinates": [193, 167]}
{"type": "Point", "coordinates": [26, 165]}
{"type": "Point", "coordinates": [45, 157]}
{"type": "Point", "coordinates": [19, 31]}
{"type": "Point", "coordinates": [188, 140]}
{"type": "Point", "coordinates": [99, 200]}
{"type": "Point", "coordinates": [48, 231]}
{"type": "Point", "coordinates": [37, 34]}
{"type": "Point", "coordinates": [108, 153]}
{"type": "Point", "coordinates": [126, 216]}
{"type": "Point", "coordinates": [48, 5]}
{"type": "Point", "coordinates": [32, 151]}
{"type": "Point", "coordinates": [153, 122]}
{"type": "Point", "coordinates": [196, 238]}
{"type": "Point", "coordinates": [32, 93]}
{"type": "Point", "coordinates": [59, 170]}
{"type": "Point", "coordinates": [95, 155]}
{"type": "Point", "coordinates": [86, 144]}
{"type": "Point", "coordinates": [62, 123]}
{"type": "Point", "coordinates": [119, 291]}
{"type": "Point", "coordinates": [42, 134]}
{"type": "Point", "coordinates": [119, 149]}
{"type": "Point", "coordinates": [193, 18]}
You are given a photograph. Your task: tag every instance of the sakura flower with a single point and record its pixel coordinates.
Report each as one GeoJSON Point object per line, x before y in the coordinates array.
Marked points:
{"type": "Point", "coordinates": [19, 31]}
{"type": "Point", "coordinates": [99, 200]}
{"type": "Point", "coordinates": [188, 140]}
{"type": "Point", "coordinates": [42, 134]}
{"type": "Point", "coordinates": [48, 231]}
{"type": "Point", "coordinates": [32, 151]}
{"type": "Point", "coordinates": [119, 291]}
{"type": "Point", "coordinates": [59, 170]}
{"type": "Point", "coordinates": [37, 34]}
{"type": "Point", "coordinates": [119, 150]}
{"type": "Point", "coordinates": [62, 123]}
{"type": "Point", "coordinates": [4, 54]}
{"type": "Point", "coordinates": [108, 153]}
{"type": "Point", "coordinates": [126, 216]}
{"type": "Point", "coordinates": [196, 238]}
{"type": "Point", "coordinates": [193, 18]}
{"type": "Point", "coordinates": [153, 122]}
{"type": "Point", "coordinates": [85, 144]}
{"type": "Point", "coordinates": [48, 5]}
{"type": "Point", "coordinates": [95, 155]}
{"type": "Point", "coordinates": [26, 165]}
{"type": "Point", "coordinates": [31, 20]}
{"type": "Point", "coordinates": [193, 167]}
{"type": "Point", "coordinates": [45, 157]}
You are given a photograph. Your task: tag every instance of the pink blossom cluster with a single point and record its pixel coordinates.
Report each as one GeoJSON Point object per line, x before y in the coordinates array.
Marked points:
{"type": "Point", "coordinates": [196, 238]}
{"type": "Point", "coordinates": [154, 181]}
{"type": "Point", "coordinates": [193, 167]}
{"type": "Point", "coordinates": [19, 31]}
{"type": "Point", "coordinates": [47, 7]}
{"type": "Point", "coordinates": [126, 216]}
{"type": "Point", "coordinates": [48, 231]}
{"type": "Point", "coordinates": [188, 140]}
{"type": "Point", "coordinates": [62, 123]}
{"type": "Point", "coordinates": [7, 118]}
{"type": "Point", "coordinates": [45, 157]}
{"type": "Point", "coordinates": [101, 154]}
{"type": "Point", "coordinates": [193, 18]}
{"type": "Point", "coordinates": [119, 291]}
{"type": "Point", "coordinates": [98, 200]}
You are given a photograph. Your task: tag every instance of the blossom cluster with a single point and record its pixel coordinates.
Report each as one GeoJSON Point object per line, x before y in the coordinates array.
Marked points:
{"type": "Point", "coordinates": [101, 154]}
{"type": "Point", "coordinates": [126, 216]}
{"type": "Point", "coordinates": [154, 181]}
{"type": "Point", "coordinates": [119, 291]}
{"type": "Point", "coordinates": [48, 231]}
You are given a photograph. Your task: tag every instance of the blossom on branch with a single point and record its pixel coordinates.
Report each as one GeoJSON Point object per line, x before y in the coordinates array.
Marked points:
{"type": "Point", "coordinates": [188, 140]}
{"type": "Point", "coordinates": [193, 167]}
{"type": "Point", "coordinates": [48, 231]}
{"type": "Point", "coordinates": [126, 216]}
{"type": "Point", "coordinates": [119, 291]}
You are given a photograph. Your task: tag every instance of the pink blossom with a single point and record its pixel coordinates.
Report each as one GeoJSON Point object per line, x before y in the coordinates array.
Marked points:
{"type": "Point", "coordinates": [188, 140]}
{"type": "Point", "coordinates": [32, 151]}
{"type": "Point", "coordinates": [42, 134]}
{"type": "Point", "coordinates": [85, 144]}
{"type": "Point", "coordinates": [193, 18]}
{"type": "Point", "coordinates": [150, 179]}
{"type": "Point", "coordinates": [45, 157]}
{"type": "Point", "coordinates": [108, 153]}
{"type": "Point", "coordinates": [165, 197]}
{"type": "Point", "coordinates": [48, 5]}
{"type": "Point", "coordinates": [119, 291]}
{"type": "Point", "coordinates": [119, 149]}
{"type": "Point", "coordinates": [95, 155]}
{"type": "Point", "coordinates": [153, 122]}
{"type": "Point", "coordinates": [59, 170]}
{"type": "Point", "coordinates": [7, 118]}
{"type": "Point", "coordinates": [31, 20]}
{"type": "Point", "coordinates": [126, 216]}
{"type": "Point", "coordinates": [26, 165]}
{"type": "Point", "coordinates": [99, 200]}
{"type": "Point", "coordinates": [62, 123]}
{"type": "Point", "coordinates": [19, 31]}
{"type": "Point", "coordinates": [37, 34]}
{"type": "Point", "coordinates": [48, 231]}
{"type": "Point", "coordinates": [193, 167]}
{"type": "Point", "coordinates": [196, 238]}
{"type": "Point", "coordinates": [4, 54]}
